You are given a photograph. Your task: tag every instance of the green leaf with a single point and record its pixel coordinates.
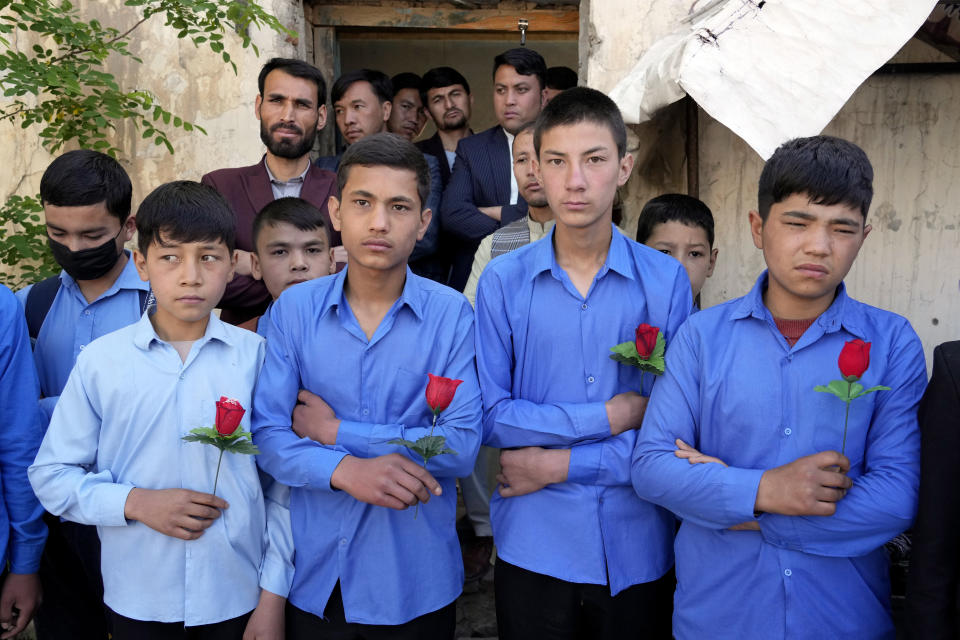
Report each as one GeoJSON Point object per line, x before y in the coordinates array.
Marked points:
{"type": "Point", "coordinates": [626, 353]}
{"type": "Point", "coordinates": [426, 447]}
{"type": "Point", "coordinates": [839, 388]}
{"type": "Point", "coordinates": [879, 387]}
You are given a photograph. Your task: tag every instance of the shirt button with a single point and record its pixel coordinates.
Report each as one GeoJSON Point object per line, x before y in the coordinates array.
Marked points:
{"type": "Point", "coordinates": [583, 306]}
{"type": "Point", "coordinates": [590, 379]}
{"type": "Point", "coordinates": [82, 346]}
{"type": "Point", "coordinates": [343, 542]}
{"type": "Point", "coordinates": [787, 431]}
{"type": "Point", "coordinates": [787, 572]}
{"type": "Point", "coordinates": [366, 412]}
{"type": "Point", "coordinates": [181, 376]}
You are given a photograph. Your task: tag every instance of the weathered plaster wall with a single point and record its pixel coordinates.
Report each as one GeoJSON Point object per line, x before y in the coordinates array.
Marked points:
{"type": "Point", "coordinates": [908, 125]}
{"type": "Point", "coordinates": [910, 263]}
{"type": "Point", "coordinates": [192, 82]}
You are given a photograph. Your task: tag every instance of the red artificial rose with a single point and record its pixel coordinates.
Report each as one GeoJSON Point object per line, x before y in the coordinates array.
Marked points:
{"type": "Point", "coordinates": [440, 392]}
{"type": "Point", "coordinates": [854, 359]}
{"type": "Point", "coordinates": [229, 414]}
{"type": "Point", "coordinates": [646, 339]}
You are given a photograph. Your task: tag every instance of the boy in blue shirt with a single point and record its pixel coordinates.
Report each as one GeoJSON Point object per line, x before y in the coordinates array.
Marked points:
{"type": "Point", "coordinates": [114, 454]}
{"type": "Point", "coordinates": [360, 344]}
{"type": "Point", "coordinates": [291, 244]}
{"type": "Point", "coordinates": [681, 226]}
{"type": "Point", "coordinates": [22, 532]}
{"type": "Point", "coordinates": [579, 554]}
{"type": "Point", "coordinates": [787, 541]}
{"type": "Point", "coordinates": [86, 206]}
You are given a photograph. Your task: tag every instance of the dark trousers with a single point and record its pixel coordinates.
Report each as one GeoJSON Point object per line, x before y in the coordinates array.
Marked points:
{"type": "Point", "coordinates": [72, 605]}
{"type": "Point", "coordinates": [301, 625]}
{"type": "Point", "coordinates": [533, 605]}
{"type": "Point", "coordinates": [130, 629]}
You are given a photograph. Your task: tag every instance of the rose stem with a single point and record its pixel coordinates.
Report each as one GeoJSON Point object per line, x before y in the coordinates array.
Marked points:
{"type": "Point", "coordinates": [217, 476]}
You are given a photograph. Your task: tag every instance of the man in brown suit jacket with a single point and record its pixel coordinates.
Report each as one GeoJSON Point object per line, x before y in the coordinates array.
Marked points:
{"type": "Point", "coordinates": [291, 108]}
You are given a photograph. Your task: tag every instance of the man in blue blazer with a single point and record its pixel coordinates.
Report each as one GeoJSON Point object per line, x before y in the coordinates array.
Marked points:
{"type": "Point", "coordinates": [482, 193]}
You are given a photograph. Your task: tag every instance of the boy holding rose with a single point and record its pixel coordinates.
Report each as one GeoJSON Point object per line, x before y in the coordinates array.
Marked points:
{"type": "Point", "coordinates": [579, 554]}
{"type": "Point", "coordinates": [355, 351]}
{"type": "Point", "coordinates": [191, 548]}
{"type": "Point", "coordinates": [792, 531]}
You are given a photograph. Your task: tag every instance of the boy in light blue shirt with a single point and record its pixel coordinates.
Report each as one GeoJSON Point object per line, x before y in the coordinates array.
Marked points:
{"type": "Point", "coordinates": [114, 455]}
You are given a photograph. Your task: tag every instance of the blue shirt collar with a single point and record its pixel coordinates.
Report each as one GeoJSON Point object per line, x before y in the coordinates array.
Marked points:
{"type": "Point", "coordinates": [128, 279]}
{"type": "Point", "coordinates": [144, 334]}
{"type": "Point", "coordinates": [842, 311]}
{"type": "Point", "coordinates": [619, 259]}
{"type": "Point", "coordinates": [411, 296]}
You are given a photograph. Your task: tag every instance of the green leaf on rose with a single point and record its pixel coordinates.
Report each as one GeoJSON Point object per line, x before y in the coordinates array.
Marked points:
{"type": "Point", "coordinates": [626, 353]}
{"type": "Point", "coordinates": [839, 388]}
{"type": "Point", "coordinates": [239, 441]}
{"type": "Point", "coordinates": [426, 447]}
{"type": "Point", "coordinates": [862, 392]}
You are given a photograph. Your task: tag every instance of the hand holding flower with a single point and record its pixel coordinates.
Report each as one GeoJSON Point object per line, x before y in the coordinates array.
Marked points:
{"type": "Point", "coordinates": [178, 513]}
{"type": "Point", "coordinates": [391, 481]}
{"type": "Point", "coordinates": [439, 394]}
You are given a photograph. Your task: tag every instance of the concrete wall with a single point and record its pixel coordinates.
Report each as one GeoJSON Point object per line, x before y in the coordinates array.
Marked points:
{"type": "Point", "coordinates": [192, 82]}
{"type": "Point", "coordinates": [910, 263]}
{"type": "Point", "coordinates": [908, 125]}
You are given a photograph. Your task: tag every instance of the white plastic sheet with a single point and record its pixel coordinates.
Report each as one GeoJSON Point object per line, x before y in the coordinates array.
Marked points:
{"type": "Point", "coordinates": [772, 70]}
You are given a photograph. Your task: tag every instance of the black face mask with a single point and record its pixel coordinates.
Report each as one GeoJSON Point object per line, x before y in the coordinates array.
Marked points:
{"type": "Point", "coordinates": [86, 264]}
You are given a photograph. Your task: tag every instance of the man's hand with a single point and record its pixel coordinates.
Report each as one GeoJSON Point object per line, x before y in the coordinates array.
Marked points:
{"type": "Point", "coordinates": [491, 212]}
{"type": "Point", "coordinates": [19, 600]}
{"type": "Point", "coordinates": [808, 486]}
{"type": "Point", "coordinates": [266, 621]}
{"type": "Point", "coordinates": [313, 418]}
{"type": "Point", "coordinates": [625, 411]}
{"type": "Point", "coordinates": [691, 455]}
{"type": "Point", "coordinates": [530, 469]}
{"type": "Point", "coordinates": [386, 481]}
{"type": "Point", "coordinates": [178, 513]}
{"type": "Point", "coordinates": [243, 262]}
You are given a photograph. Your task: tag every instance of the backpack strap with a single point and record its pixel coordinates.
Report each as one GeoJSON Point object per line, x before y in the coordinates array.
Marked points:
{"type": "Point", "coordinates": [147, 299]}
{"type": "Point", "coordinates": [39, 300]}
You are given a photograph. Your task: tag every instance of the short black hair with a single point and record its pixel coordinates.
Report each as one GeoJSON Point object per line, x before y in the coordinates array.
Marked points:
{"type": "Point", "coordinates": [382, 87]}
{"type": "Point", "coordinates": [185, 211]}
{"type": "Point", "coordinates": [674, 207]}
{"type": "Point", "coordinates": [826, 169]}
{"type": "Point", "coordinates": [297, 69]}
{"type": "Point", "coordinates": [405, 80]}
{"type": "Point", "coordinates": [293, 211]}
{"type": "Point", "coordinates": [84, 177]}
{"type": "Point", "coordinates": [440, 77]}
{"type": "Point", "coordinates": [561, 78]}
{"type": "Point", "coordinates": [525, 127]}
{"type": "Point", "coordinates": [526, 62]}
{"type": "Point", "coordinates": [579, 104]}
{"type": "Point", "coordinates": [386, 150]}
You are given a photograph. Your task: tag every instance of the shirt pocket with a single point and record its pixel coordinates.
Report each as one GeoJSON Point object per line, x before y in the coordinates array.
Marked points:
{"type": "Point", "coordinates": [406, 402]}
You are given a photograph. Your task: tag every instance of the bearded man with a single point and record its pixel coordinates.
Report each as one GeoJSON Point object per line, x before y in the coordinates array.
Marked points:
{"type": "Point", "coordinates": [291, 108]}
